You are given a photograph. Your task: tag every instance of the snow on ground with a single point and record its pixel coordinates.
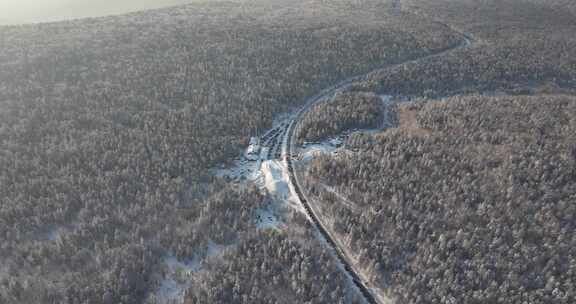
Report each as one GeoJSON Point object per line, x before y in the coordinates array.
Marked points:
{"type": "Point", "coordinates": [309, 151]}
{"type": "Point", "coordinates": [244, 170]}
{"type": "Point", "coordinates": [241, 171]}
{"type": "Point", "coordinates": [343, 199]}
{"type": "Point", "coordinates": [178, 274]}
{"type": "Point", "coordinates": [389, 116]}
{"type": "Point", "coordinates": [266, 218]}
{"type": "Point", "coordinates": [54, 234]}
{"type": "Point", "coordinates": [188, 267]}
{"type": "Point", "coordinates": [176, 279]}
{"type": "Point", "coordinates": [334, 145]}
{"type": "Point", "coordinates": [269, 175]}
{"type": "Point", "coordinates": [340, 266]}
{"type": "Point", "coordinates": [214, 249]}
{"type": "Point", "coordinates": [275, 181]}
{"type": "Point", "coordinates": [386, 99]}
{"type": "Point", "coordinates": [272, 174]}
{"type": "Point", "coordinates": [170, 291]}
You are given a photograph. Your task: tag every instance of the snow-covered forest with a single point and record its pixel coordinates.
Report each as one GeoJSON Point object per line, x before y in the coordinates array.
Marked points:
{"type": "Point", "coordinates": [112, 129]}
{"type": "Point", "coordinates": [109, 128]}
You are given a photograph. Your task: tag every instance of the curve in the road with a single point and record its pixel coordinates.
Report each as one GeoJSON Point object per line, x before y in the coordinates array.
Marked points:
{"type": "Point", "coordinates": [363, 286]}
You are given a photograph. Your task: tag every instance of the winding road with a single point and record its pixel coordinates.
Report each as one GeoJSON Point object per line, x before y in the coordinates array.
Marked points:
{"type": "Point", "coordinates": [366, 288]}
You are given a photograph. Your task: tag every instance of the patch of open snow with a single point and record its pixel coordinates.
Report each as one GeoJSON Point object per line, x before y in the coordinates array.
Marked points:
{"type": "Point", "coordinates": [386, 99]}
{"type": "Point", "coordinates": [266, 218]}
{"type": "Point", "coordinates": [241, 171]}
{"type": "Point", "coordinates": [178, 275]}
{"type": "Point", "coordinates": [275, 181]}
{"type": "Point", "coordinates": [176, 279]}
{"type": "Point", "coordinates": [336, 141]}
{"type": "Point", "coordinates": [334, 145]}
{"type": "Point", "coordinates": [54, 234]}
{"type": "Point", "coordinates": [389, 116]}
{"type": "Point", "coordinates": [311, 150]}
{"type": "Point", "coordinates": [174, 265]}
{"type": "Point", "coordinates": [214, 249]}
{"type": "Point", "coordinates": [170, 291]}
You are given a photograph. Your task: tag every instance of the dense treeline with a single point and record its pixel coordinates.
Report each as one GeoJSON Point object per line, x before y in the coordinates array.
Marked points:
{"type": "Point", "coordinates": [518, 47]}
{"type": "Point", "coordinates": [475, 213]}
{"type": "Point", "coordinates": [288, 272]}
{"type": "Point", "coordinates": [108, 127]}
{"type": "Point", "coordinates": [110, 253]}
{"type": "Point", "coordinates": [469, 200]}
{"type": "Point", "coordinates": [564, 5]}
{"type": "Point", "coordinates": [342, 112]}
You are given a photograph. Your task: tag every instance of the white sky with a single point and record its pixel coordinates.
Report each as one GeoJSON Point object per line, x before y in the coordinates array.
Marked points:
{"type": "Point", "coordinates": [23, 11]}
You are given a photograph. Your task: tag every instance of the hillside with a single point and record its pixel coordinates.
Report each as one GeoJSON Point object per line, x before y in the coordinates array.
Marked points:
{"type": "Point", "coordinates": [109, 128]}
{"type": "Point", "coordinates": [124, 177]}
{"type": "Point", "coordinates": [476, 207]}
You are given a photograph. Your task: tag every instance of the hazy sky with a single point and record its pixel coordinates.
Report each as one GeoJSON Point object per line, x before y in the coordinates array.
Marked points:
{"type": "Point", "coordinates": [24, 11]}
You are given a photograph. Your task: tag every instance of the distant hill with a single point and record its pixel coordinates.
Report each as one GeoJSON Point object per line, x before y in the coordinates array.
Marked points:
{"type": "Point", "coordinates": [20, 12]}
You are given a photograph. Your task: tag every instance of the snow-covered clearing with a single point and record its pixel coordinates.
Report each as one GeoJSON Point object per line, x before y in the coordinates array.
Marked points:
{"type": "Point", "coordinates": [266, 218]}
{"type": "Point", "coordinates": [241, 171]}
{"type": "Point", "coordinates": [187, 267]}
{"type": "Point", "coordinates": [272, 176]}
{"type": "Point", "coordinates": [176, 280]}
{"type": "Point", "coordinates": [276, 181]}
{"type": "Point", "coordinates": [335, 145]}
{"type": "Point", "coordinates": [178, 274]}
{"type": "Point", "coordinates": [244, 170]}
{"type": "Point", "coordinates": [170, 291]}
{"type": "Point", "coordinates": [389, 116]}
{"type": "Point", "coordinates": [177, 277]}
{"type": "Point", "coordinates": [309, 151]}
{"type": "Point", "coordinates": [53, 234]}
{"type": "Point", "coordinates": [214, 250]}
